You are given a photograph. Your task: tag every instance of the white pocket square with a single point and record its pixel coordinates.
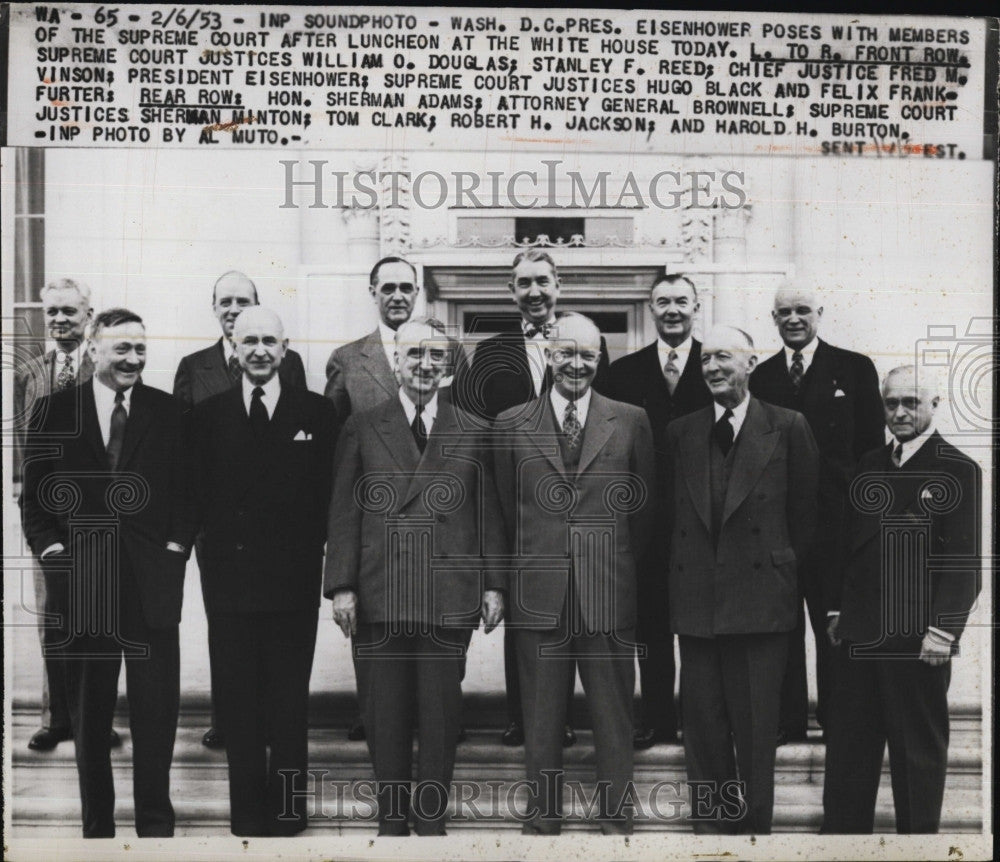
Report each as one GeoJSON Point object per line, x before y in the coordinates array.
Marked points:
{"type": "Point", "coordinates": [839, 393]}
{"type": "Point", "coordinates": [302, 435]}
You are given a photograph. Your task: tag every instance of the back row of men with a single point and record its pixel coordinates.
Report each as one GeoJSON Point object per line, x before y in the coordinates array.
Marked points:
{"type": "Point", "coordinates": [592, 506]}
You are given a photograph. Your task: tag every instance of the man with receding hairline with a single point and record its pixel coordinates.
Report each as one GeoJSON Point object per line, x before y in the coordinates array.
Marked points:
{"type": "Point", "coordinates": [215, 369]}
{"type": "Point", "coordinates": [664, 378]}
{"type": "Point", "coordinates": [837, 391]}
{"type": "Point", "coordinates": [741, 498]}
{"type": "Point", "coordinates": [119, 441]}
{"type": "Point", "coordinates": [895, 619]}
{"type": "Point", "coordinates": [263, 455]}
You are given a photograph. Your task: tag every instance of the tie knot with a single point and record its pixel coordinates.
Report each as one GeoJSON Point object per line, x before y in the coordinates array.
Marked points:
{"type": "Point", "coordinates": [258, 393]}
{"type": "Point", "coordinates": [727, 415]}
{"type": "Point", "coordinates": [571, 408]}
{"type": "Point", "coordinates": [119, 397]}
{"type": "Point", "coordinates": [796, 356]}
{"type": "Point", "coordinates": [531, 330]}
{"type": "Point", "coordinates": [672, 356]}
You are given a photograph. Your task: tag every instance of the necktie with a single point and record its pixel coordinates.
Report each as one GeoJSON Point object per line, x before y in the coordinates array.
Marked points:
{"type": "Point", "coordinates": [258, 412]}
{"type": "Point", "coordinates": [235, 370]}
{"type": "Point", "coordinates": [571, 427]}
{"type": "Point", "coordinates": [797, 370]}
{"type": "Point", "coordinates": [117, 436]}
{"type": "Point", "coordinates": [419, 430]}
{"type": "Point", "coordinates": [670, 372]}
{"type": "Point", "coordinates": [724, 432]}
{"type": "Point", "coordinates": [66, 378]}
{"type": "Point", "coordinates": [897, 455]}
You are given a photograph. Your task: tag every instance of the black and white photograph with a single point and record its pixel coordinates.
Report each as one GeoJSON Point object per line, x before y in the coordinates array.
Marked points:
{"type": "Point", "coordinates": [541, 432]}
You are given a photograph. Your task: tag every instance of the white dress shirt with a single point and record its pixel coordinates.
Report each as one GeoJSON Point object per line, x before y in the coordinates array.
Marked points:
{"type": "Point", "coordinates": [388, 337]}
{"type": "Point", "coordinates": [683, 351]}
{"type": "Point", "coordinates": [559, 407]}
{"type": "Point", "coordinates": [739, 414]}
{"type": "Point", "coordinates": [104, 397]}
{"type": "Point", "coordinates": [429, 414]}
{"type": "Point", "coordinates": [535, 347]}
{"type": "Point", "coordinates": [272, 392]}
{"type": "Point", "coordinates": [808, 352]}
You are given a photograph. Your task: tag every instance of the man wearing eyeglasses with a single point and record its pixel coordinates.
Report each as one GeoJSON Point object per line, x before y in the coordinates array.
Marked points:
{"type": "Point", "coordinates": [360, 375]}
{"type": "Point", "coordinates": [413, 519]}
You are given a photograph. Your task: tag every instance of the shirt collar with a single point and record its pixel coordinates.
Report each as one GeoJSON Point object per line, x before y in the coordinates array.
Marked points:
{"type": "Point", "coordinates": [739, 414]}
{"type": "Point", "coordinates": [807, 354]}
{"type": "Point", "coordinates": [272, 392]}
{"type": "Point", "coordinates": [911, 447]}
{"type": "Point", "coordinates": [559, 403]}
{"type": "Point", "coordinates": [429, 412]}
{"type": "Point", "coordinates": [229, 349]}
{"type": "Point", "coordinates": [683, 351]}
{"type": "Point", "coordinates": [104, 396]}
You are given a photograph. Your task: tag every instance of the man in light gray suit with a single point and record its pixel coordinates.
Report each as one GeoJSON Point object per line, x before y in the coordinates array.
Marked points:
{"type": "Point", "coordinates": [67, 311]}
{"type": "Point", "coordinates": [360, 376]}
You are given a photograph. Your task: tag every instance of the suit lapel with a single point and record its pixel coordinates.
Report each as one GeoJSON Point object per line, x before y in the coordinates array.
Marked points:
{"type": "Point", "coordinates": [657, 390]}
{"type": "Point", "coordinates": [691, 377]}
{"type": "Point", "coordinates": [140, 416]}
{"type": "Point", "coordinates": [819, 377]}
{"type": "Point", "coordinates": [285, 422]}
{"type": "Point", "coordinates": [91, 425]}
{"type": "Point", "coordinates": [600, 426]}
{"type": "Point", "coordinates": [546, 435]}
{"type": "Point", "coordinates": [753, 450]}
{"type": "Point", "coordinates": [375, 363]}
{"type": "Point", "coordinates": [214, 370]}
{"type": "Point", "coordinates": [432, 462]}
{"type": "Point", "coordinates": [697, 472]}
{"type": "Point", "coordinates": [390, 425]}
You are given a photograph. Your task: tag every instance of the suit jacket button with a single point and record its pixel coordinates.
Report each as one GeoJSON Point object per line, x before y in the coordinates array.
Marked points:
{"type": "Point", "coordinates": [441, 519]}
{"type": "Point", "coordinates": [239, 546]}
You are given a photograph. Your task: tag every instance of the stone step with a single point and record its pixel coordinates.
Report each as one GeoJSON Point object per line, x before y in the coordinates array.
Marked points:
{"type": "Point", "coordinates": [45, 789]}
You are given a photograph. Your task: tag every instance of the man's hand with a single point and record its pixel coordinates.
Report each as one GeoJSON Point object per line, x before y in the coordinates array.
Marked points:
{"type": "Point", "coordinates": [935, 649]}
{"type": "Point", "coordinates": [831, 629]}
{"type": "Point", "coordinates": [345, 611]}
{"type": "Point", "coordinates": [492, 609]}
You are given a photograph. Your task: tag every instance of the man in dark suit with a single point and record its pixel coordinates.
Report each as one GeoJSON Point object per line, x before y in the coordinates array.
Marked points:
{"type": "Point", "coordinates": [410, 476]}
{"type": "Point", "coordinates": [837, 391]}
{"type": "Point", "coordinates": [509, 369]}
{"type": "Point", "coordinates": [742, 509]}
{"type": "Point", "coordinates": [664, 378]}
{"type": "Point", "coordinates": [118, 485]}
{"type": "Point", "coordinates": [263, 456]}
{"type": "Point", "coordinates": [67, 310]}
{"type": "Point", "coordinates": [896, 618]}
{"type": "Point", "coordinates": [216, 369]}
{"type": "Point", "coordinates": [575, 475]}
{"type": "Point", "coordinates": [360, 374]}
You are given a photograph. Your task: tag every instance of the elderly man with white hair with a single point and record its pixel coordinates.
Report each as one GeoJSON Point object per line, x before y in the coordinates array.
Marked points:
{"type": "Point", "coordinates": [263, 453]}
{"type": "Point", "coordinates": [837, 391]}
{"type": "Point", "coordinates": [896, 618]}
{"type": "Point", "coordinates": [741, 497]}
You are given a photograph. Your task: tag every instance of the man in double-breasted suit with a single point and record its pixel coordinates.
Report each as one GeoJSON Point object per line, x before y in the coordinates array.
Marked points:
{"type": "Point", "coordinates": [67, 311]}
{"type": "Point", "coordinates": [263, 456]}
{"type": "Point", "coordinates": [509, 369]}
{"type": "Point", "coordinates": [216, 369]}
{"type": "Point", "coordinates": [361, 375]}
{"type": "Point", "coordinates": [109, 518]}
{"type": "Point", "coordinates": [837, 391]}
{"type": "Point", "coordinates": [414, 516]}
{"type": "Point", "coordinates": [897, 615]}
{"type": "Point", "coordinates": [742, 503]}
{"type": "Point", "coordinates": [664, 378]}
{"type": "Point", "coordinates": [575, 474]}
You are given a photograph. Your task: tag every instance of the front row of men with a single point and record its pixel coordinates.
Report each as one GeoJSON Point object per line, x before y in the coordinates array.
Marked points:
{"type": "Point", "coordinates": [544, 518]}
